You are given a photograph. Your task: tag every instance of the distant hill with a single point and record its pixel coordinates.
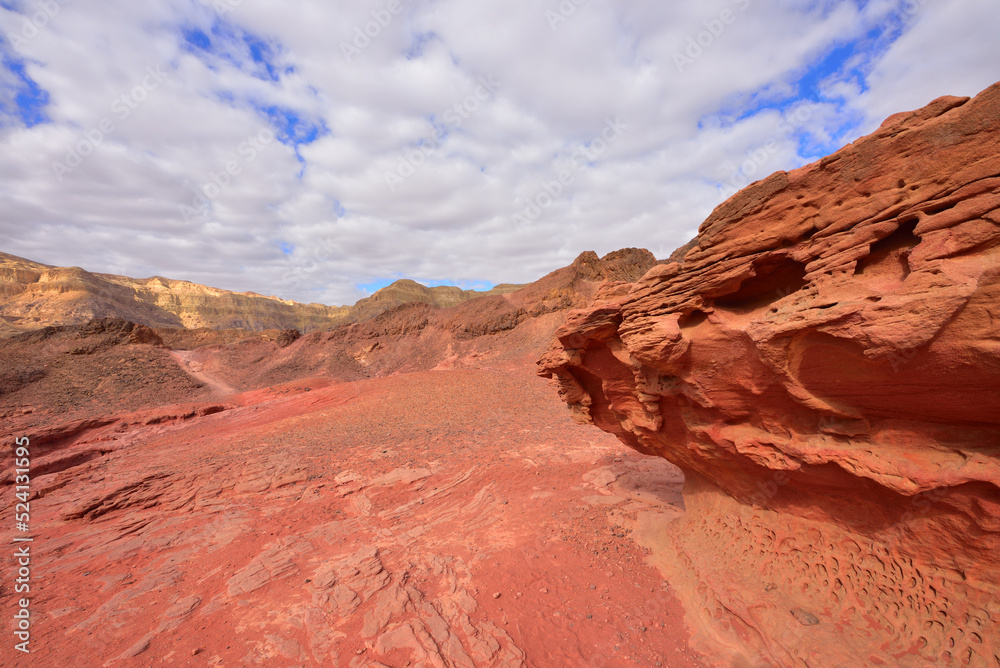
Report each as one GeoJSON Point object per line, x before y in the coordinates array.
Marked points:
{"type": "Point", "coordinates": [130, 359]}
{"type": "Point", "coordinates": [35, 295]}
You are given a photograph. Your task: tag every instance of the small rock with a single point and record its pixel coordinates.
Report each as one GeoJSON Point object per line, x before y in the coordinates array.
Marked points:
{"type": "Point", "coordinates": [544, 590]}
{"type": "Point", "coordinates": [805, 618]}
{"type": "Point", "coordinates": [770, 586]}
{"type": "Point", "coordinates": [496, 595]}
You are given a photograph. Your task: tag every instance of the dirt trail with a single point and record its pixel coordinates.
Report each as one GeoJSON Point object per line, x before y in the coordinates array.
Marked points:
{"type": "Point", "coordinates": [195, 369]}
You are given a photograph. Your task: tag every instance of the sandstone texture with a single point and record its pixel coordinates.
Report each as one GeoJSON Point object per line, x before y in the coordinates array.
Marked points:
{"type": "Point", "coordinates": [823, 363]}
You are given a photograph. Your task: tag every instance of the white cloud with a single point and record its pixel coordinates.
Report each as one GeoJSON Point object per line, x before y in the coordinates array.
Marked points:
{"type": "Point", "coordinates": [950, 48]}
{"type": "Point", "coordinates": [689, 129]}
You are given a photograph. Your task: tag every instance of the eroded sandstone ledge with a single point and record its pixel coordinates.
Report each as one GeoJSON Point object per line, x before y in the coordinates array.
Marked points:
{"type": "Point", "coordinates": [823, 362]}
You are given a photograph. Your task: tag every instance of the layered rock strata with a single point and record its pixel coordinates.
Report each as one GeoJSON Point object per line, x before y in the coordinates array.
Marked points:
{"type": "Point", "coordinates": [823, 363]}
{"type": "Point", "coordinates": [35, 295]}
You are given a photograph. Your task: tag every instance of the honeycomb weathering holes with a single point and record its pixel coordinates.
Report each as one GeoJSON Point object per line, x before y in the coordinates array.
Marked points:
{"type": "Point", "coordinates": [890, 254]}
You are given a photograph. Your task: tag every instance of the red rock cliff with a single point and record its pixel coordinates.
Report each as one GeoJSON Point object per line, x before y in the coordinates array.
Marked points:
{"type": "Point", "coordinates": [823, 362]}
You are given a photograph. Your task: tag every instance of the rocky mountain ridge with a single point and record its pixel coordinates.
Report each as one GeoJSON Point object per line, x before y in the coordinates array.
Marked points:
{"type": "Point", "coordinates": [395, 491]}
{"type": "Point", "coordinates": [35, 295]}
{"type": "Point", "coordinates": [64, 370]}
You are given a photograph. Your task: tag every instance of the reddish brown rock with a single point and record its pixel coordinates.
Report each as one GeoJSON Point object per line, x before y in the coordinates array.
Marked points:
{"type": "Point", "coordinates": [823, 363]}
{"type": "Point", "coordinates": [492, 329]}
{"type": "Point", "coordinates": [228, 499]}
{"type": "Point", "coordinates": [362, 524]}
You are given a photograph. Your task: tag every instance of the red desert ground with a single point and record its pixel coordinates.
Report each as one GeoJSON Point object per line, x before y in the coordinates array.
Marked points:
{"type": "Point", "coordinates": [778, 447]}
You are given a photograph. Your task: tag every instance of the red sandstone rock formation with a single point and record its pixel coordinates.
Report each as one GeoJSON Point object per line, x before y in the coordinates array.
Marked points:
{"type": "Point", "coordinates": [823, 362]}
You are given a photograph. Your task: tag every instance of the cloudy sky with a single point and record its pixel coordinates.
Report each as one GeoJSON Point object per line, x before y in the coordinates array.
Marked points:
{"type": "Point", "coordinates": [318, 149]}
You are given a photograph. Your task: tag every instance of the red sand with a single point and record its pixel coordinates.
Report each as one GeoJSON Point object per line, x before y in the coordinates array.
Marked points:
{"type": "Point", "coordinates": [437, 518]}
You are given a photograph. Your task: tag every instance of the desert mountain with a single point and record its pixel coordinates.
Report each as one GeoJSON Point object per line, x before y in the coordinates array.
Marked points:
{"type": "Point", "coordinates": [395, 490]}
{"type": "Point", "coordinates": [34, 295]}
{"type": "Point", "coordinates": [64, 369]}
{"type": "Point", "coordinates": [823, 363]}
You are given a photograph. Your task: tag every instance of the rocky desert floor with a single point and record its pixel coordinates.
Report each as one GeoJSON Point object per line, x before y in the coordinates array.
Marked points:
{"type": "Point", "coordinates": [451, 517]}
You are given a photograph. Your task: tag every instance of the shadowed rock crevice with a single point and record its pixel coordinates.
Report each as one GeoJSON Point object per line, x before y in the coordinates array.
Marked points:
{"type": "Point", "coordinates": [890, 256]}
{"type": "Point", "coordinates": [773, 278]}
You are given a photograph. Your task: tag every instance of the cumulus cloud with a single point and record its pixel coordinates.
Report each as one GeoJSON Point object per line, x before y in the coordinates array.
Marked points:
{"type": "Point", "coordinates": [310, 148]}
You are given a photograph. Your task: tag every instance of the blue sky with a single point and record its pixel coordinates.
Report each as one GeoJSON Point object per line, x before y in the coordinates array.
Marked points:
{"type": "Point", "coordinates": [27, 106]}
{"type": "Point", "coordinates": [320, 150]}
{"type": "Point", "coordinates": [481, 286]}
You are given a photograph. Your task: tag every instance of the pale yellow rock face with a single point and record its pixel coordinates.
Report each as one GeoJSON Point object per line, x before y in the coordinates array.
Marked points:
{"type": "Point", "coordinates": [34, 295]}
